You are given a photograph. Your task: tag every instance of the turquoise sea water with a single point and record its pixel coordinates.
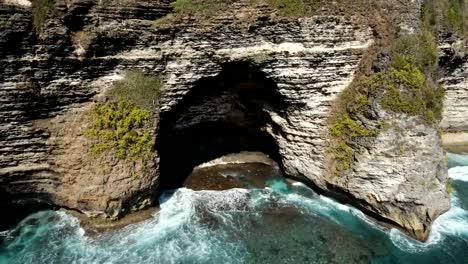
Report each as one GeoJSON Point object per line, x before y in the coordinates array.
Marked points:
{"type": "Point", "coordinates": [280, 224]}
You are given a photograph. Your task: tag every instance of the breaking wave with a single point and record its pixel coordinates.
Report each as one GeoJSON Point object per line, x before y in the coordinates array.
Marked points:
{"type": "Point", "coordinates": [282, 223]}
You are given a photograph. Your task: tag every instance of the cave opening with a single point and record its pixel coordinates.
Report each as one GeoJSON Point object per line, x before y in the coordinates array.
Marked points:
{"type": "Point", "coordinates": [220, 115]}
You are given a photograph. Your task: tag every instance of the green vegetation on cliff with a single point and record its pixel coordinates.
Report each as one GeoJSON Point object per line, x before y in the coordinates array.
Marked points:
{"type": "Point", "coordinates": [451, 14]}
{"type": "Point", "coordinates": [123, 125]}
{"type": "Point", "coordinates": [345, 130]}
{"type": "Point", "coordinates": [407, 90]}
{"type": "Point", "coordinates": [196, 6]}
{"type": "Point", "coordinates": [407, 85]}
{"type": "Point", "coordinates": [120, 126]}
{"type": "Point", "coordinates": [41, 10]}
{"type": "Point", "coordinates": [291, 7]}
{"type": "Point", "coordinates": [345, 126]}
{"type": "Point", "coordinates": [404, 85]}
{"type": "Point", "coordinates": [137, 88]}
{"type": "Point", "coordinates": [205, 9]}
{"type": "Point", "coordinates": [457, 14]}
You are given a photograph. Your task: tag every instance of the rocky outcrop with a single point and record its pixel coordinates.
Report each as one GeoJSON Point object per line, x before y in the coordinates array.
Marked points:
{"type": "Point", "coordinates": [402, 168]}
{"type": "Point", "coordinates": [454, 62]}
{"type": "Point", "coordinates": [46, 94]}
{"type": "Point", "coordinates": [265, 83]}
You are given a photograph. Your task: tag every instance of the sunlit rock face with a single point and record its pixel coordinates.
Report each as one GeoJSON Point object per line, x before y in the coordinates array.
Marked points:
{"type": "Point", "coordinates": [455, 80]}
{"type": "Point", "coordinates": [267, 85]}
{"type": "Point", "coordinates": [454, 65]}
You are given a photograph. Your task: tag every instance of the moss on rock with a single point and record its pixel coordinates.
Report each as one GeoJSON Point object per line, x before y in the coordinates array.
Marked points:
{"type": "Point", "coordinates": [123, 125]}
{"type": "Point", "coordinates": [41, 10]}
{"type": "Point", "coordinates": [404, 85]}
{"type": "Point", "coordinates": [120, 126]}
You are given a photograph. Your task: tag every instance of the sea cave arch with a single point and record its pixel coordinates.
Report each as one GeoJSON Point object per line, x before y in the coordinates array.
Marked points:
{"type": "Point", "coordinates": [224, 114]}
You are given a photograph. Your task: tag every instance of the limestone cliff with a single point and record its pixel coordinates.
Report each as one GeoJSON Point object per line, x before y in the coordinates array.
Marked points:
{"type": "Point", "coordinates": [246, 79]}
{"type": "Point", "coordinates": [454, 62]}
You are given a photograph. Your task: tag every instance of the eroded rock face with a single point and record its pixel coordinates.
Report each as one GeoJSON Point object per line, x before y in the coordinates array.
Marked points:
{"type": "Point", "coordinates": [454, 61]}
{"type": "Point", "coordinates": [401, 168]}
{"type": "Point", "coordinates": [49, 82]}
{"type": "Point", "coordinates": [46, 93]}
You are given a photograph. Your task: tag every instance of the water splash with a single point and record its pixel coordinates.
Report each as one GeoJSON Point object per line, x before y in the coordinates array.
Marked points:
{"type": "Point", "coordinates": [280, 224]}
{"type": "Point", "coordinates": [453, 223]}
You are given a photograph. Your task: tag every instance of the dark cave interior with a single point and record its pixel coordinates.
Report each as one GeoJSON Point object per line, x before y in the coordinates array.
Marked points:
{"type": "Point", "coordinates": [220, 115]}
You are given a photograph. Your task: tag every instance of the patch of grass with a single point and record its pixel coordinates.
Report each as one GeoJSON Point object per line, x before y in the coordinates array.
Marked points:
{"type": "Point", "coordinates": [137, 88]}
{"type": "Point", "coordinates": [345, 129]}
{"type": "Point", "coordinates": [345, 154]}
{"type": "Point", "coordinates": [201, 8]}
{"type": "Point", "coordinates": [197, 6]}
{"type": "Point", "coordinates": [355, 97]}
{"type": "Point", "coordinates": [456, 14]}
{"type": "Point", "coordinates": [406, 85]}
{"type": "Point", "coordinates": [344, 126]}
{"type": "Point", "coordinates": [406, 89]}
{"type": "Point", "coordinates": [119, 126]}
{"type": "Point", "coordinates": [429, 14]}
{"type": "Point", "coordinates": [41, 10]}
{"type": "Point", "coordinates": [450, 14]}
{"type": "Point", "coordinates": [402, 87]}
{"type": "Point", "coordinates": [290, 7]}
{"type": "Point", "coordinates": [419, 50]}
{"type": "Point", "coordinates": [165, 20]}
{"type": "Point", "coordinates": [123, 124]}
{"type": "Point", "coordinates": [204, 9]}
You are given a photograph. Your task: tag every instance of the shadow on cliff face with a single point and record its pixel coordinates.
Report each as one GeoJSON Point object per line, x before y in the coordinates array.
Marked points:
{"type": "Point", "coordinates": [13, 213]}
{"type": "Point", "coordinates": [224, 114]}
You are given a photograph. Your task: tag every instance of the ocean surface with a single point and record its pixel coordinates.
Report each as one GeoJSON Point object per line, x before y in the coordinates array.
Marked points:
{"type": "Point", "coordinates": [282, 223]}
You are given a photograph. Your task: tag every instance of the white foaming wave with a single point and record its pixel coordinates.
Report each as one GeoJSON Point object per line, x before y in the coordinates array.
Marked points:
{"type": "Point", "coordinates": [200, 243]}
{"type": "Point", "coordinates": [335, 204]}
{"type": "Point", "coordinates": [319, 205]}
{"type": "Point", "coordinates": [452, 223]}
{"type": "Point", "coordinates": [407, 244]}
{"type": "Point", "coordinates": [229, 200]}
{"type": "Point", "coordinates": [371, 223]}
{"type": "Point", "coordinates": [6, 233]}
{"type": "Point", "coordinates": [323, 203]}
{"type": "Point", "coordinates": [459, 173]}
{"type": "Point", "coordinates": [177, 233]}
{"type": "Point", "coordinates": [330, 203]}
{"type": "Point", "coordinates": [261, 197]}
{"type": "Point", "coordinates": [353, 211]}
{"type": "Point", "coordinates": [299, 184]}
{"type": "Point", "coordinates": [66, 219]}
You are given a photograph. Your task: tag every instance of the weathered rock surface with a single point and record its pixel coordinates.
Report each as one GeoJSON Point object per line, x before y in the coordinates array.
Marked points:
{"type": "Point", "coordinates": [455, 80]}
{"type": "Point", "coordinates": [49, 81]}
{"type": "Point", "coordinates": [454, 61]}
{"type": "Point", "coordinates": [402, 168]}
